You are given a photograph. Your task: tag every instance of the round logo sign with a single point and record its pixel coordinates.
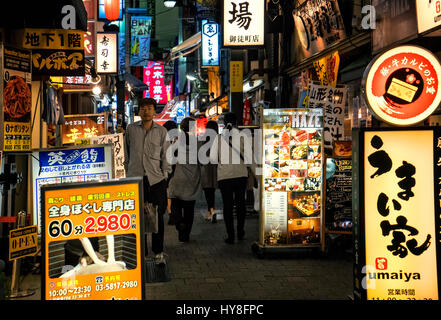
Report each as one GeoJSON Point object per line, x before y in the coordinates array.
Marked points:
{"type": "Point", "coordinates": [402, 85]}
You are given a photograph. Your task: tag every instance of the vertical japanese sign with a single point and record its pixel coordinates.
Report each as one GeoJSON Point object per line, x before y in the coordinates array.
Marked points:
{"type": "Point", "coordinates": [327, 69]}
{"type": "Point", "coordinates": [140, 33]}
{"type": "Point", "coordinates": [104, 222]}
{"type": "Point", "coordinates": [66, 165]}
{"type": "Point", "coordinates": [154, 77]}
{"type": "Point", "coordinates": [83, 126]}
{"type": "Point", "coordinates": [332, 101]}
{"type": "Point", "coordinates": [402, 85]}
{"type": "Point", "coordinates": [398, 221]}
{"type": "Point", "coordinates": [117, 142]}
{"type": "Point", "coordinates": [16, 131]}
{"type": "Point", "coordinates": [210, 44]}
{"type": "Point", "coordinates": [292, 177]}
{"type": "Point", "coordinates": [236, 76]}
{"type": "Point", "coordinates": [243, 23]}
{"type": "Point", "coordinates": [106, 60]}
{"type": "Point", "coordinates": [428, 15]}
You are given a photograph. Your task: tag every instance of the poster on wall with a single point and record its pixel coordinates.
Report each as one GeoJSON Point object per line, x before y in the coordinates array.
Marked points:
{"type": "Point", "coordinates": [83, 126]}
{"type": "Point", "coordinates": [140, 33]}
{"type": "Point", "coordinates": [319, 25]}
{"type": "Point", "coordinates": [16, 93]}
{"type": "Point", "coordinates": [292, 176]}
{"type": "Point", "coordinates": [398, 214]}
{"type": "Point", "coordinates": [105, 221]}
{"type": "Point", "coordinates": [67, 165]}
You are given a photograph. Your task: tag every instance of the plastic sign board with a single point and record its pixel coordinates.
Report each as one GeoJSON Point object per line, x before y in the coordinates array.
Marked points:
{"type": "Point", "coordinates": [292, 177]}
{"type": "Point", "coordinates": [66, 165]}
{"type": "Point", "coordinates": [103, 222]}
{"type": "Point", "coordinates": [23, 242]}
{"type": "Point", "coordinates": [141, 29]}
{"type": "Point", "coordinates": [402, 85]}
{"type": "Point", "coordinates": [83, 126]}
{"type": "Point", "coordinates": [154, 78]}
{"type": "Point", "coordinates": [428, 15]}
{"type": "Point", "coordinates": [243, 23]}
{"type": "Point", "coordinates": [210, 44]}
{"type": "Point", "coordinates": [106, 59]}
{"type": "Point", "coordinates": [397, 213]}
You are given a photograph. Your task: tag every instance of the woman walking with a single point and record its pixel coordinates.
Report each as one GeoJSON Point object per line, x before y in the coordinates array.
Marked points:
{"type": "Point", "coordinates": [185, 185]}
{"type": "Point", "coordinates": [209, 174]}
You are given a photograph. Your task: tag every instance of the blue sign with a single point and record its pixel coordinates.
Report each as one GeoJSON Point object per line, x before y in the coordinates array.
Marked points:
{"type": "Point", "coordinates": [210, 43]}
{"type": "Point", "coordinates": [71, 157]}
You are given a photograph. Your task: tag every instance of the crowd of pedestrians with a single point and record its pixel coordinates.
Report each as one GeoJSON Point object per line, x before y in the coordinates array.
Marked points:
{"type": "Point", "coordinates": [177, 166]}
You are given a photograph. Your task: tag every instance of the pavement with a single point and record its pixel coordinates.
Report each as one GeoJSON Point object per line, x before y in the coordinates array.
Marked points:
{"type": "Point", "coordinates": [206, 268]}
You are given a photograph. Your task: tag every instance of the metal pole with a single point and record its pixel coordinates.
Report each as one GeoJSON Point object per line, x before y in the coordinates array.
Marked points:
{"type": "Point", "coordinates": [15, 283]}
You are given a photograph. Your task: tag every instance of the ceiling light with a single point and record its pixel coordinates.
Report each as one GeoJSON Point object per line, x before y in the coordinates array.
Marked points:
{"type": "Point", "coordinates": [169, 3]}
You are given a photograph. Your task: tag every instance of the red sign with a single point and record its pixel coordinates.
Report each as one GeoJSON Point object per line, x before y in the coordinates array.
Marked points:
{"type": "Point", "coordinates": [402, 85]}
{"type": "Point", "coordinates": [154, 78]}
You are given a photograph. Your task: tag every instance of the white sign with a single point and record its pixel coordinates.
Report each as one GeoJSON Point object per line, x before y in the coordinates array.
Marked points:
{"type": "Point", "coordinates": [428, 15]}
{"type": "Point", "coordinates": [243, 23]}
{"type": "Point", "coordinates": [210, 44]}
{"type": "Point", "coordinates": [66, 165]}
{"type": "Point", "coordinates": [106, 60]}
{"type": "Point", "coordinates": [117, 142]}
{"type": "Point", "coordinates": [332, 101]}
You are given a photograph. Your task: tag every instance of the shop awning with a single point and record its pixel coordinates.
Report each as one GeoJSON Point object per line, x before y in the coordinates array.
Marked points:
{"type": "Point", "coordinates": [185, 47]}
{"type": "Point", "coordinates": [135, 83]}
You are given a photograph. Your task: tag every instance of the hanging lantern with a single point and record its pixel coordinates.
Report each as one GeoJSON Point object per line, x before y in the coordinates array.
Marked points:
{"type": "Point", "coordinates": [112, 9]}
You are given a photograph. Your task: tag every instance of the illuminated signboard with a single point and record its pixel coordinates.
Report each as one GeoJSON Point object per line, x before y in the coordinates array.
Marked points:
{"type": "Point", "coordinates": [210, 44]}
{"type": "Point", "coordinates": [402, 85]}
{"type": "Point", "coordinates": [292, 177]}
{"type": "Point", "coordinates": [428, 15]}
{"type": "Point", "coordinates": [106, 52]}
{"type": "Point", "coordinates": [243, 23]}
{"type": "Point", "coordinates": [92, 241]}
{"type": "Point", "coordinates": [154, 77]}
{"type": "Point", "coordinates": [141, 29]}
{"type": "Point", "coordinates": [83, 126]}
{"type": "Point", "coordinates": [397, 230]}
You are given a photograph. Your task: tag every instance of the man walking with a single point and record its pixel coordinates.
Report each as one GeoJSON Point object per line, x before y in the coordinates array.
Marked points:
{"type": "Point", "coordinates": [145, 146]}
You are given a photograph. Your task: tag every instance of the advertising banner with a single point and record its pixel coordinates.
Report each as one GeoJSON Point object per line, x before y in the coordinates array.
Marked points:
{"type": "Point", "coordinates": [17, 78]}
{"type": "Point", "coordinates": [140, 33]}
{"type": "Point", "coordinates": [83, 126]}
{"type": "Point", "coordinates": [92, 241]}
{"type": "Point", "coordinates": [154, 77]}
{"type": "Point", "coordinates": [292, 176]}
{"type": "Point", "coordinates": [327, 69]}
{"type": "Point", "coordinates": [398, 214]}
{"type": "Point", "coordinates": [65, 165]}
{"type": "Point", "coordinates": [243, 23]}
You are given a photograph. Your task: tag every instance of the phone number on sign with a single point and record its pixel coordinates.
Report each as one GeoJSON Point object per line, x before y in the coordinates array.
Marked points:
{"type": "Point", "coordinates": [102, 223]}
{"type": "Point", "coordinates": [116, 285]}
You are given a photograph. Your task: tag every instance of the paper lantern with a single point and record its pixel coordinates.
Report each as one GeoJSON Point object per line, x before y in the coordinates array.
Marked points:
{"type": "Point", "coordinates": [112, 9]}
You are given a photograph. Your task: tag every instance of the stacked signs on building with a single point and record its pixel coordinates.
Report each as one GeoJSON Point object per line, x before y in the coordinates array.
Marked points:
{"type": "Point", "coordinates": [397, 236]}
{"type": "Point", "coordinates": [65, 165]}
{"type": "Point", "coordinates": [106, 60]}
{"type": "Point", "coordinates": [319, 25]}
{"type": "Point", "coordinates": [154, 77]}
{"type": "Point", "coordinates": [243, 23]}
{"type": "Point", "coordinates": [210, 44]}
{"type": "Point", "coordinates": [16, 93]}
{"type": "Point", "coordinates": [292, 176]}
{"type": "Point", "coordinates": [55, 52]}
{"type": "Point", "coordinates": [141, 28]}
{"type": "Point", "coordinates": [332, 102]}
{"type": "Point", "coordinates": [402, 85]}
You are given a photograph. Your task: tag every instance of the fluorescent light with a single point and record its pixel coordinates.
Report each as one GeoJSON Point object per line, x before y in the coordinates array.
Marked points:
{"type": "Point", "coordinates": [169, 3]}
{"type": "Point", "coordinates": [191, 77]}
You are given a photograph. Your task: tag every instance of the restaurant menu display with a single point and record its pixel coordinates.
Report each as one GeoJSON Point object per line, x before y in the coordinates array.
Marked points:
{"type": "Point", "coordinates": [292, 176]}
{"type": "Point", "coordinates": [92, 241]}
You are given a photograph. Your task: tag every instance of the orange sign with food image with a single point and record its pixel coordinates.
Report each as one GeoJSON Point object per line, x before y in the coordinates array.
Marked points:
{"type": "Point", "coordinates": [92, 241]}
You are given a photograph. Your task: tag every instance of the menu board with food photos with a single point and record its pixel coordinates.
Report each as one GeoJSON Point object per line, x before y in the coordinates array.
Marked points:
{"type": "Point", "coordinates": [292, 165]}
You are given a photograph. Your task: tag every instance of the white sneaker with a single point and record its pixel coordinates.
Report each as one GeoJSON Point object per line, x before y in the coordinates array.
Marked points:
{"type": "Point", "coordinates": [160, 258]}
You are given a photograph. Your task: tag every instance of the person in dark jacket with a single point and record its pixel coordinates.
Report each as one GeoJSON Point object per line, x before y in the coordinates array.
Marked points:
{"type": "Point", "coordinates": [170, 125]}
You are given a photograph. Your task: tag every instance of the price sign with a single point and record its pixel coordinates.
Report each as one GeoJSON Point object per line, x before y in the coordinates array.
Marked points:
{"type": "Point", "coordinates": [100, 226]}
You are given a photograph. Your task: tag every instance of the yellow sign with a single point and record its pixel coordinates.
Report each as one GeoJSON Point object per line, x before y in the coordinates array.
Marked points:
{"type": "Point", "coordinates": [399, 215]}
{"type": "Point", "coordinates": [23, 242]}
{"type": "Point", "coordinates": [236, 76]}
{"type": "Point", "coordinates": [93, 241]}
{"type": "Point", "coordinates": [80, 142]}
{"type": "Point", "coordinates": [327, 69]}
{"type": "Point", "coordinates": [53, 39]}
